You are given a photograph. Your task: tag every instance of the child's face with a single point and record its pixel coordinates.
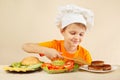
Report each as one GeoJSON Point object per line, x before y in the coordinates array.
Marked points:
{"type": "Point", "coordinates": [73, 34]}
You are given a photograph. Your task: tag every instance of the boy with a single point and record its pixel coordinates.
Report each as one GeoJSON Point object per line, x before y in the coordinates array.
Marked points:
{"type": "Point", "coordinates": [73, 22]}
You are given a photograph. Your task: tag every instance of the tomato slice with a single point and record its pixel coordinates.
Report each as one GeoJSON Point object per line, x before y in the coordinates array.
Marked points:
{"type": "Point", "coordinates": [70, 62]}
{"type": "Point", "coordinates": [52, 67]}
{"type": "Point", "coordinates": [46, 64]}
{"type": "Point", "coordinates": [58, 67]}
{"type": "Point", "coordinates": [69, 65]}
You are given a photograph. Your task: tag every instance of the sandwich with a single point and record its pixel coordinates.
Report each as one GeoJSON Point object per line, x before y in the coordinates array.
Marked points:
{"type": "Point", "coordinates": [59, 65]}
{"type": "Point", "coordinates": [30, 63]}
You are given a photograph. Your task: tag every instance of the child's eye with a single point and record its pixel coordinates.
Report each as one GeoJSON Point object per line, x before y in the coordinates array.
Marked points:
{"type": "Point", "coordinates": [81, 34]}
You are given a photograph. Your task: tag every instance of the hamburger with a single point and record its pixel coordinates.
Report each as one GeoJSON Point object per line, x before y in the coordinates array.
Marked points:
{"type": "Point", "coordinates": [30, 63]}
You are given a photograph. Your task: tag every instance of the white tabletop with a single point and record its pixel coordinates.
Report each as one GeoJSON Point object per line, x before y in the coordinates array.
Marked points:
{"type": "Point", "coordinates": [41, 75]}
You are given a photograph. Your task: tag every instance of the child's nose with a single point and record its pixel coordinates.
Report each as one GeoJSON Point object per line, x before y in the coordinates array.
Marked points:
{"type": "Point", "coordinates": [77, 37]}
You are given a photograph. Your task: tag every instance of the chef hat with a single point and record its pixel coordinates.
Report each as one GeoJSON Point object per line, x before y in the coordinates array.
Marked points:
{"type": "Point", "coordinates": [74, 14]}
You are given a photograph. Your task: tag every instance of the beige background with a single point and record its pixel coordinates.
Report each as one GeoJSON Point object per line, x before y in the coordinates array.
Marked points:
{"type": "Point", "coordinates": [24, 21]}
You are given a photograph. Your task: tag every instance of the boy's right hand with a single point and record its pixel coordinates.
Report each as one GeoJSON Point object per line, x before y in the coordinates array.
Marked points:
{"type": "Point", "coordinates": [53, 53]}
{"type": "Point", "coordinates": [35, 48]}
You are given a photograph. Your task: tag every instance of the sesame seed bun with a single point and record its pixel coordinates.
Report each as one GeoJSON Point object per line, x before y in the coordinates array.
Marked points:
{"type": "Point", "coordinates": [30, 60]}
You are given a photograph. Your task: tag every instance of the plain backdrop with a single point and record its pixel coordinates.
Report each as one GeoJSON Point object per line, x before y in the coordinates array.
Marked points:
{"type": "Point", "coordinates": [23, 21]}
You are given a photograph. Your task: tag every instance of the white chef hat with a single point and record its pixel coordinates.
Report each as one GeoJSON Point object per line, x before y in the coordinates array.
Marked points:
{"type": "Point", "coordinates": [74, 14]}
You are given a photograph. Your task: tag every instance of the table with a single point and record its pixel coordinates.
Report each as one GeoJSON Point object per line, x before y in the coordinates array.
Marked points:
{"type": "Point", "coordinates": [41, 75]}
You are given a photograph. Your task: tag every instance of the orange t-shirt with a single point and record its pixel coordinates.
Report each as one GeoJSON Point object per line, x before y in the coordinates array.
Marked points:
{"type": "Point", "coordinates": [59, 46]}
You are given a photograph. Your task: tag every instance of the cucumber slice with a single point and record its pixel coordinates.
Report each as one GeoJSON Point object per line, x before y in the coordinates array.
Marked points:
{"type": "Point", "coordinates": [35, 66]}
{"type": "Point", "coordinates": [58, 62]}
{"type": "Point", "coordinates": [16, 64]}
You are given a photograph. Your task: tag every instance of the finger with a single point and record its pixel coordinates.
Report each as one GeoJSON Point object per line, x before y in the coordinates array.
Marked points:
{"type": "Point", "coordinates": [60, 56]}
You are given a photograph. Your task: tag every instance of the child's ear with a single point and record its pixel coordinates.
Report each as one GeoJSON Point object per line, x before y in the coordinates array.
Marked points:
{"type": "Point", "coordinates": [61, 30]}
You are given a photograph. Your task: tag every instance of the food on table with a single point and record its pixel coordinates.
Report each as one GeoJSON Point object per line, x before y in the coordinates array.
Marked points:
{"type": "Point", "coordinates": [106, 67]}
{"type": "Point", "coordinates": [59, 66]}
{"type": "Point", "coordinates": [90, 67]}
{"type": "Point", "coordinates": [27, 64]}
{"type": "Point", "coordinates": [99, 65]}
{"type": "Point", "coordinates": [32, 63]}
{"type": "Point", "coordinates": [58, 61]}
{"type": "Point", "coordinates": [31, 60]}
